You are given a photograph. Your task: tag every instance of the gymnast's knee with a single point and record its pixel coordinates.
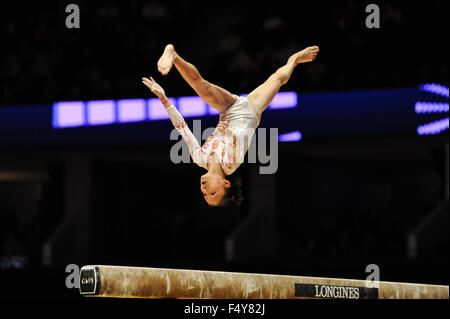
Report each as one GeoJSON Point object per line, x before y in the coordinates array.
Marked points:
{"type": "Point", "coordinates": [282, 77]}
{"type": "Point", "coordinates": [279, 78]}
{"type": "Point", "coordinates": [203, 86]}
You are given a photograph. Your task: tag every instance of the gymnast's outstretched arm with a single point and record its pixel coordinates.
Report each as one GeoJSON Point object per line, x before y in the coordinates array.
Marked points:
{"type": "Point", "coordinates": [179, 123]}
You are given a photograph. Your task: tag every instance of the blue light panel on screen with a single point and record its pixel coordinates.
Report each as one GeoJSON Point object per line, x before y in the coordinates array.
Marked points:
{"type": "Point", "coordinates": [95, 113]}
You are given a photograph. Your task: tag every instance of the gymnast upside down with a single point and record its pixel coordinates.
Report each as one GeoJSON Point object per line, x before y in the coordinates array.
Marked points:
{"type": "Point", "coordinates": [224, 151]}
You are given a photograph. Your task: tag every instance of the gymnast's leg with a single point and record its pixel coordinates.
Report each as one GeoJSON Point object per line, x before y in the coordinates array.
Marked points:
{"type": "Point", "coordinates": [261, 97]}
{"type": "Point", "coordinates": [213, 95]}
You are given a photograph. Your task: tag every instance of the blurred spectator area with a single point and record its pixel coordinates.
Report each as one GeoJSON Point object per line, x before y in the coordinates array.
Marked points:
{"type": "Point", "coordinates": [234, 45]}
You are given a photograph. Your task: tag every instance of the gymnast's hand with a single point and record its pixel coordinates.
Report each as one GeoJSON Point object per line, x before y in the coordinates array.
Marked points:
{"type": "Point", "coordinates": [155, 88]}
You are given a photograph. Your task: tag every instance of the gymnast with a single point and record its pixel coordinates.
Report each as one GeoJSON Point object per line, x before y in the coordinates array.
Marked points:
{"type": "Point", "coordinates": [224, 151]}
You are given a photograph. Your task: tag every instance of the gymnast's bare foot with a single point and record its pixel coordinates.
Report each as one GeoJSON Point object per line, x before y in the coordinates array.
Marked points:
{"type": "Point", "coordinates": [167, 59]}
{"type": "Point", "coordinates": [307, 55]}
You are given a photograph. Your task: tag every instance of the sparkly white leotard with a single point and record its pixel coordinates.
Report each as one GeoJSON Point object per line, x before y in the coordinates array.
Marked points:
{"type": "Point", "coordinates": [229, 145]}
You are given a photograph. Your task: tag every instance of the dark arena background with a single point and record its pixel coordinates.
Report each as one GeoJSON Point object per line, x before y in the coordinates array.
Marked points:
{"type": "Point", "coordinates": [361, 164]}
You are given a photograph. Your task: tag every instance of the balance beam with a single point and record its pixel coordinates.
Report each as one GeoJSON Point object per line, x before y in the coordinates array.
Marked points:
{"type": "Point", "coordinates": [134, 282]}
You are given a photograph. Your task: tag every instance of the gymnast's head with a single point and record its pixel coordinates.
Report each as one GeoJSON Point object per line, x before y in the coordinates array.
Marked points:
{"type": "Point", "coordinates": [221, 191]}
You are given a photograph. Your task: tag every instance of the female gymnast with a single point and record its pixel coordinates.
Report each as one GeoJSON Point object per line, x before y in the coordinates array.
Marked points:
{"type": "Point", "coordinates": [224, 151]}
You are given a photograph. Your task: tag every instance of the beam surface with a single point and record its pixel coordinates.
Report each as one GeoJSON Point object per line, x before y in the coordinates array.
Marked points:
{"type": "Point", "coordinates": [135, 282]}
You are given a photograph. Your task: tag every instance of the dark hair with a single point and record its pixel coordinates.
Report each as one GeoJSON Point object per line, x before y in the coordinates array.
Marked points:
{"type": "Point", "coordinates": [233, 195]}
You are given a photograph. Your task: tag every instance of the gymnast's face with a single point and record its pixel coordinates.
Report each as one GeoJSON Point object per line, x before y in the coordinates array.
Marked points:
{"type": "Point", "coordinates": [213, 188]}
